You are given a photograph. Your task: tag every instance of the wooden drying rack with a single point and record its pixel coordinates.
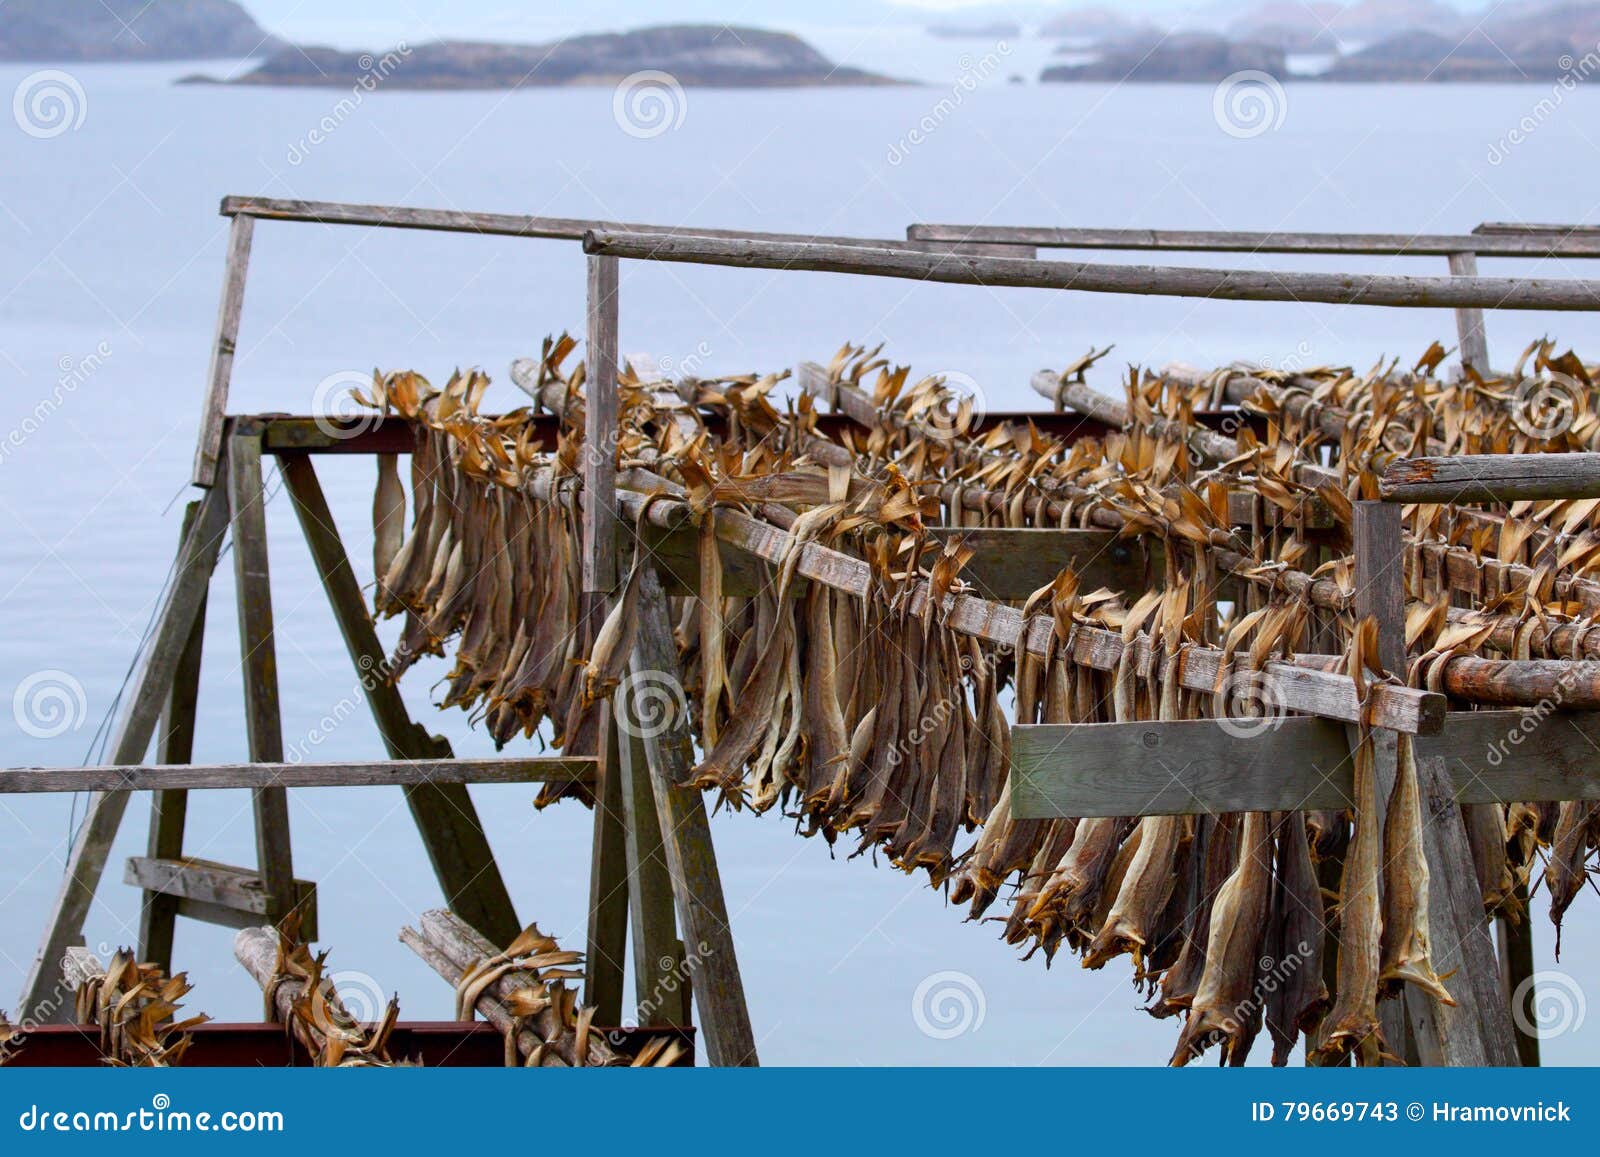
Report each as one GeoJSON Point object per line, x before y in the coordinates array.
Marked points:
{"type": "Point", "coordinates": [653, 867]}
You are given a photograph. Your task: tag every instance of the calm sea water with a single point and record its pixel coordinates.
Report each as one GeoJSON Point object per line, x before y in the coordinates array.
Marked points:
{"type": "Point", "coordinates": [110, 259]}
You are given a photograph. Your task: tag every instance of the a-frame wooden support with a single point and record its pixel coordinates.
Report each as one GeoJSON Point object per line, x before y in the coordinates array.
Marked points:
{"type": "Point", "coordinates": [652, 847]}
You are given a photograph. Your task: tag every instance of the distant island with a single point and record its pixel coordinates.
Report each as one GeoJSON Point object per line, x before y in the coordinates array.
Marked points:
{"type": "Point", "coordinates": [85, 30]}
{"type": "Point", "coordinates": [692, 54]}
{"type": "Point", "coordinates": [1177, 58]}
{"type": "Point", "coordinates": [991, 30]}
{"type": "Point", "coordinates": [1371, 41]}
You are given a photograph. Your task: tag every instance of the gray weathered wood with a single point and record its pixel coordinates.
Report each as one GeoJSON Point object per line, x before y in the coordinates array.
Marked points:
{"type": "Point", "coordinates": [600, 430]}
{"type": "Point", "coordinates": [258, 660]}
{"type": "Point", "coordinates": [1474, 343]}
{"type": "Point", "coordinates": [223, 344]}
{"type": "Point", "coordinates": [1491, 478]}
{"type": "Point", "coordinates": [143, 702]}
{"type": "Point", "coordinates": [557, 228]}
{"type": "Point", "coordinates": [379, 773]}
{"type": "Point", "coordinates": [660, 980]}
{"type": "Point", "coordinates": [443, 811]}
{"type": "Point", "coordinates": [1483, 241]}
{"type": "Point", "coordinates": [605, 956]}
{"type": "Point", "coordinates": [710, 958]}
{"type": "Point", "coordinates": [158, 914]}
{"type": "Point", "coordinates": [1517, 981]}
{"type": "Point", "coordinates": [1165, 281]}
{"type": "Point", "coordinates": [1191, 767]}
{"type": "Point", "coordinates": [221, 893]}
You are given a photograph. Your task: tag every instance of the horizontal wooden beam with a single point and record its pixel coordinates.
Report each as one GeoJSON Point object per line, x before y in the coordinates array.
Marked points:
{"type": "Point", "coordinates": [1157, 280]}
{"type": "Point", "coordinates": [1491, 478]}
{"type": "Point", "coordinates": [200, 776]}
{"type": "Point", "coordinates": [219, 893]}
{"type": "Point", "coordinates": [550, 228]}
{"type": "Point", "coordinates": [1285, 764]}
{"type": "Point", "coordinates": [1540, 243]}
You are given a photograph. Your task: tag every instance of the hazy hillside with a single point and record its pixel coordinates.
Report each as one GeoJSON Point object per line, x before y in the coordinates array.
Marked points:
{"type": "Point", "coordinates": [66, 30]}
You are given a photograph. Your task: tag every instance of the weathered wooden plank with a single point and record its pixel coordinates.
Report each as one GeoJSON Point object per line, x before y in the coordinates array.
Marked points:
{"type": "Point", "coordinates": [605, 957]}
{"type": "Point", "coordinates": [124, 778]}
{"type": "Point", "coordinates": [220, 893]}
{"type": "Point", "coordinates": [1517, 979]}
{"type": "Point", "coordinates": [223, 344]}
{"type": "Point", "coordinates": [710, 958]}
{"type": "Point", "coordinates": [557, 228]}
{"type": "Point", "coordinates": [660, 981]}
{"type": "Point", "coordinates": [443, 811]}
{"type": "Point", "coordinates": [1191, 767]}
{"type": "Point", "coordinates": [1491, 478]}
{"type": "Point", "coordinates": [258, 659]}
{"type": "Point", "coordinates": [599, 465]}
{"type": "Point", "coordinates": [1482, 241]}
{"type": "Point", "coordinates": [158, 914]}
{"type": "Point", "coordinates": [142, 706]}
{"type": "Point", "coordinates": [1158, 280]}
{"type": "Point", "coordinates": [1474, 344]}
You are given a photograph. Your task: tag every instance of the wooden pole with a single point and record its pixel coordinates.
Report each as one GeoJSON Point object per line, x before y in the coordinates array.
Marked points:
{"type": "Point", "coordinates": [1157, 280]}
{"type": "Point", "coordinates": [146, 696]}
{"type": "Point", "coordinates": [444, 813]}
{"type": "Point", "coordinates": [124, 778]}
{"type": "Point", "coordinates": [158, 913]}
{"type": "Point", "coordinates": [212, 414]}
{"type": "Point", "coordinates": [1517, 977]}
{"type": "Point", "coordinates": [259, 660]}
{"type": "Point", "coordinates": [710, 958]}
{"type": "Point", "coordinates": [1494, 478]}
{"type": "Point", "coordinates": [1469, 321]}
{"type": "Point", "coordinates": [608, 875]}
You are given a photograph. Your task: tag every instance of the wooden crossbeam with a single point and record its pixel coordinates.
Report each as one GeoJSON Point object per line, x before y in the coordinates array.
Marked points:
{"type": "Point", "coordinates": [378, 773]}
{"type": "Point", "coordinates": [220, 893]}
{"type": "Point", "coordinates": [1195, 766]}
{"type": "Point", "coordinates": [1142, 280]}
{"type": "Point", "coordinates": [1491, 478]}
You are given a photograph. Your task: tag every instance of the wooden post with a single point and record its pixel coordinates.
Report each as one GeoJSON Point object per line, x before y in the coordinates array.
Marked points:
{"type": "Point", "coordinates": [445, 815]}
{"type": "Point", "coordinates": [158, 913]}
{"type": "Point", "coordinates": [258, 658]}
{"type": "Point", "coordinates": [710, 959]}
{"type": "Point", "coordinates": [608, 874]}
{"type": "Point", "coordinates": [240, 232]}
{"type": "Point", "coordinates": [42, 996]}
{"type": "Point", "coordinates": [660, 981]}
{"type": "Point", "coordinates": [1477, 1030]}
{"type": "Point", "coordinates": [1516, 977]}
{"type": "Point", "coordinates": [1469, 319]}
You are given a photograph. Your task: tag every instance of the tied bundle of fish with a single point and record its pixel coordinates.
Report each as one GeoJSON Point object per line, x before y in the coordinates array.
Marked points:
{"type": "Point", "coordinates": [135, 1006]}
